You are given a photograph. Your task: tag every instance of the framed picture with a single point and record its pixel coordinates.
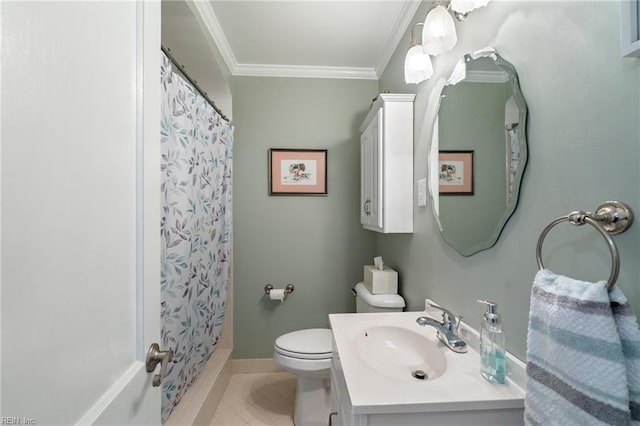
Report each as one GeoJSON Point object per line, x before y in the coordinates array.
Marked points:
{"type": "Point", "coordinates": [297, 171]}
{"type": "Point", "coordinates": [455, 170]}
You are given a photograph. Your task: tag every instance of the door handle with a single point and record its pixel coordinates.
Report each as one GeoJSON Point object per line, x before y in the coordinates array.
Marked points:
{"type": "Point", "coordinates": [154, 357]}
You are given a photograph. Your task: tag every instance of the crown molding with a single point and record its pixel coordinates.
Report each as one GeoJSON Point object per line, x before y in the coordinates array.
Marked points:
{"type": "Point", "coordinates": [403, 21]}
{"type": "Point", "coordinates": [211, 24]}
{"type": "Point", "coordinates": [300, 71]}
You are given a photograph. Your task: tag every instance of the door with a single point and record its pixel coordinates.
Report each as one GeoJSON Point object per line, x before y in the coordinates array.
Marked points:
{"type": "Point", "coordinates": [365, 177]}
{"type": "Point", "coordinates": [80, 197]}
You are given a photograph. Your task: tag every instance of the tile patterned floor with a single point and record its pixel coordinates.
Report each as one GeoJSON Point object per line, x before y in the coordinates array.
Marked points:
{"type": "Point", "coordinates": [257, 399]}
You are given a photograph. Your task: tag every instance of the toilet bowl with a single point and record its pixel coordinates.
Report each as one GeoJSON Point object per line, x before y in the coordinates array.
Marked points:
{"type": "Point", "coordinates": [307, 354]}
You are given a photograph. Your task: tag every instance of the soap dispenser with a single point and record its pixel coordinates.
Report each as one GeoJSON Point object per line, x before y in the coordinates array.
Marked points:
{"type": "Point", "coordinates": [492, 359]}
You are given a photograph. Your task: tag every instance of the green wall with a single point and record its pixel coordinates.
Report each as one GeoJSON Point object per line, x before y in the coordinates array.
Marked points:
{"type": "Point", "coordinates": [315, 243]}
{"type": "Point", "coordinates": [584, 148]}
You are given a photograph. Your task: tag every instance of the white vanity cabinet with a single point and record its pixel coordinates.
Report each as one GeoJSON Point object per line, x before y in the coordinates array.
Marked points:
{"type": "Point", "coordinates": [345, 414]}
{"type": "Point", "coordinates": [342, 412]}
{"type": "Point", "coordinates": [386, 165]}
{"type": "Point", "coordinates": [372, 382]}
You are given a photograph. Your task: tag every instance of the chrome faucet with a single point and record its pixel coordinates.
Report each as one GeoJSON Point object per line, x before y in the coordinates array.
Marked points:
{"type": "Point", "coordinates": [447, 329]}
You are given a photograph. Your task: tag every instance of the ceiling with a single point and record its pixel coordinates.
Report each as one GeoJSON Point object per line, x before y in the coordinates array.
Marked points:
{"type": "Point", "coordinates": [306, 38]}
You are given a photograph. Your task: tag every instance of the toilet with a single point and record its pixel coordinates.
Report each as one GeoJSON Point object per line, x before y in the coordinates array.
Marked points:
{"type": "Point", "coordinates": [307, 354]}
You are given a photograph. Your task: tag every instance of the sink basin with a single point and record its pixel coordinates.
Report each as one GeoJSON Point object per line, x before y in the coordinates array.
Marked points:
{"type": "Point", "coordinates": [375, 354]}
{"type": "Point", "coordinates": [396, 353]}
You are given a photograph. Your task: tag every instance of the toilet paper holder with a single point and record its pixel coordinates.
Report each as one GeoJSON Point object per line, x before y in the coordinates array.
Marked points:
{"type": "Point", "coordinates": [288, 289]}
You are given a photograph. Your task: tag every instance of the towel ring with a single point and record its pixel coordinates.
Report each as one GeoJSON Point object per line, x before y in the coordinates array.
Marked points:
{"type": "Point", "coordinates": [610, 218]}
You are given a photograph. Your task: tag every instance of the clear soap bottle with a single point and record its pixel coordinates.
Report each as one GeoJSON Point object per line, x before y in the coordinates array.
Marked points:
{"type": "Point", "coordinates": [492, 344]}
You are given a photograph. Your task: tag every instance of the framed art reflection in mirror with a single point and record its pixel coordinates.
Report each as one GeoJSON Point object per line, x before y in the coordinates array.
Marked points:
{"type": "Point", "coordinates": [455, 172]}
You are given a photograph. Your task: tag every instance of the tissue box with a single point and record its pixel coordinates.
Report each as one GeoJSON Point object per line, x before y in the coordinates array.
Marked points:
{"type": "Point", "coordinates": [380, 282]}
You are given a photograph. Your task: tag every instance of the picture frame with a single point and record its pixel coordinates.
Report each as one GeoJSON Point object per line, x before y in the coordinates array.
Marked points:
{"type": "Point", "coordinates": [297, 171]}
{"type": "Point", "coordinates": [456, 172]}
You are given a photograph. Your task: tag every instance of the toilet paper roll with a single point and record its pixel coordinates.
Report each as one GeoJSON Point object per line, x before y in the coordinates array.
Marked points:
{"type": "Point", "coordinates": [277, 294]}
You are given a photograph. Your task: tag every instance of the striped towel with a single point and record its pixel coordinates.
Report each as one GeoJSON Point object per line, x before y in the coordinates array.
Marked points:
{"type": "Point", "coordinates": [583, 354]}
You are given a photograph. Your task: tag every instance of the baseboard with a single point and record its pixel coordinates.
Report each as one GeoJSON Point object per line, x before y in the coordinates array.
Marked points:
{"type": "Point", "coordinates": [199, 403]}
{"type": "Point", "coordinates": [255, 365]}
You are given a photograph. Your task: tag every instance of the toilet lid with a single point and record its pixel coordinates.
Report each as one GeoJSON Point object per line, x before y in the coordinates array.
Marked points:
{"type": "Point", "coordinates": [314, 343]}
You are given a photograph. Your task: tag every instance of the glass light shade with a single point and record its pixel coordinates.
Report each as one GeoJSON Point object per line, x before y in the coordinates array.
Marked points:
{"type": "Point", "coordinates": [439, 32]}
{"type": "Point", "coordinates": [466, 6]}
{"type": "Point", "coordinates": [417, 65]}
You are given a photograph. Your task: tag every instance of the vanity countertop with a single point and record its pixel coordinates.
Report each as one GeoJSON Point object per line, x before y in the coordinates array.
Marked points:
{"type": "Point", "coordinates": [459, 388]}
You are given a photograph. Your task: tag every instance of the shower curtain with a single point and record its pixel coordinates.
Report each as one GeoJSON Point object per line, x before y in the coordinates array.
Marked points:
{"type": "Point", "coordinates": [195, 230]}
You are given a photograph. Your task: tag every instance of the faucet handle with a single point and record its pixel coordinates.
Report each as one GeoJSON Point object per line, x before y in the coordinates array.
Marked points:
{"type": "Point", "coordinates": [459, 318]}
{"type": "Point", "coordinates": [448, 317]}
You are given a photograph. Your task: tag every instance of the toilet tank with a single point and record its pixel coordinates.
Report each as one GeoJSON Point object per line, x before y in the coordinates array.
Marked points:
{"type": "Point", "coordinates": [367, 302]}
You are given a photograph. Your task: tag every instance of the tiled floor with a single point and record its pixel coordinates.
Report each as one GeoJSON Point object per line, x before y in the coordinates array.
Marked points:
{"type": "Point", "coordinates": [257, 399]}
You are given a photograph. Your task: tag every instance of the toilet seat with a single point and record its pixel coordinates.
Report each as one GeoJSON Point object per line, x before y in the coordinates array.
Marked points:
{"type": "Point", "coordinates": [311, 344]}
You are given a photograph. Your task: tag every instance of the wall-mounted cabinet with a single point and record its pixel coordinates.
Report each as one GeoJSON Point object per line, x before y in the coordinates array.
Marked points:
{"type": "Point", "coordinates": [386, 165]}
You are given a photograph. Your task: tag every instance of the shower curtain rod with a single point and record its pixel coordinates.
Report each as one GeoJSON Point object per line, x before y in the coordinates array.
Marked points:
{"type": "Point", "coordinates": [180, 67]}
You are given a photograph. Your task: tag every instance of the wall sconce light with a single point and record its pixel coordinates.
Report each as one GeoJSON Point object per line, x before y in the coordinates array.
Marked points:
{"type": "Point", "coordinates": [438, 36]}
{"type": "Point", "coordinates": [439, 32]}
{"type": "Point", "coordinates": [417, 64]}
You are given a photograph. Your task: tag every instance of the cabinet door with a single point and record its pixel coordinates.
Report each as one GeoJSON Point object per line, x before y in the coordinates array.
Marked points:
{"type": "Point", "coordinates": [370, 196]}
{"type": "Point", "coordinates": [365, 177]}
{"type": "Point", "coordinates": [342, 410]}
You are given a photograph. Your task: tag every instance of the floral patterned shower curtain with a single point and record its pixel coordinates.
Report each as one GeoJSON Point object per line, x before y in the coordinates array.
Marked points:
{"type": "Point", "coordinates": [195, 229]}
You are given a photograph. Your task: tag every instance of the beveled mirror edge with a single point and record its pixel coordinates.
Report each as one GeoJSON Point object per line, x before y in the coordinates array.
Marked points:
{"type": "Point", "coordinates": [524, 145]}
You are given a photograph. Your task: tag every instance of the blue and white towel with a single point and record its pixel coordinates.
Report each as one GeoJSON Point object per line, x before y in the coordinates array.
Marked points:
{"type": "Point", "coordinates": [583, 354]}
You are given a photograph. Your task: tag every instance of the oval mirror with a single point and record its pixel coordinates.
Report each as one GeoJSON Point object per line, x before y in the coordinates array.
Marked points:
{"type": "Point", "coordinates": [478, 151]}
